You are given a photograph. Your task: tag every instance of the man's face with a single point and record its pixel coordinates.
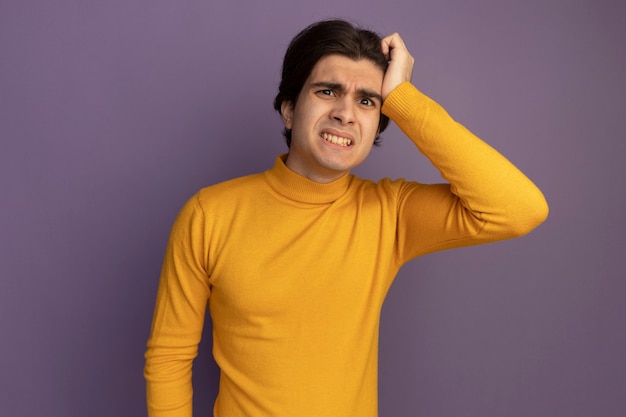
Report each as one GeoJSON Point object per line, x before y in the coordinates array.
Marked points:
{"type": "Point", "coordinates": [335, 120]}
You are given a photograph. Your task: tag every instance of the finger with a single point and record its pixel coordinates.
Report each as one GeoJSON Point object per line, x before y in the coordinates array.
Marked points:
{"type": "Point", "coordinates": [391, 42]}
{"type": "Point", "coordinates": [384, 46]}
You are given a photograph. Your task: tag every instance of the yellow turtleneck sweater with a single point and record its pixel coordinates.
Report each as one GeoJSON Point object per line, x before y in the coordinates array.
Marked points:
{"type": "Point", "coordinates": [295, 272]}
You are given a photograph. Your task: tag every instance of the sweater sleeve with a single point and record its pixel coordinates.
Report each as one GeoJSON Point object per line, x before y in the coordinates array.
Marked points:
{"type": "Point", "coordinates": [487, 198]}
{"type": "Point", "coordinates": [178, 317]}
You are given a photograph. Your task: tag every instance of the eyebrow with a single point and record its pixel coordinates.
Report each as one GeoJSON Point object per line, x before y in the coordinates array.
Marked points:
{"type": "Point", "coordinates": [339, 87]}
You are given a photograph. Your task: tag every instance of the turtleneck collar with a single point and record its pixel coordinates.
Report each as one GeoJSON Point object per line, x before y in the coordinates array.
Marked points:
{"type": "Point", "coordinates": [299, 188]}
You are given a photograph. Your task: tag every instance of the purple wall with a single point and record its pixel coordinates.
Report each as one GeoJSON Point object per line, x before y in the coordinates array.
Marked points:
{"type": "Point", "coordinates": [113, 113]}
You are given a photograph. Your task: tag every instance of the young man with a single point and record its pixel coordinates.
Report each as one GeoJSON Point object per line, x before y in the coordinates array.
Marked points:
{"type": "Point", "coordinates": [295, 262]}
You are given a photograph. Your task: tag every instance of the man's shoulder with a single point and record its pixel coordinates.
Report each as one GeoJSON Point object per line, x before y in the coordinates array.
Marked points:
{"type": "Point", "coordinates": [232, 187]}
{"type": "Point", "coordinates": [382, 185]}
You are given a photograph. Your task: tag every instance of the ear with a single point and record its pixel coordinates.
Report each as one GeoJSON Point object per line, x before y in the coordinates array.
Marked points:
{"type": "Point", "coordinates": [286, 111]}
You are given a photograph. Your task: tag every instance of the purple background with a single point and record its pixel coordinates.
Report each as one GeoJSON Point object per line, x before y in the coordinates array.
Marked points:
{"type": "Point", "coordinates": [113, 113]}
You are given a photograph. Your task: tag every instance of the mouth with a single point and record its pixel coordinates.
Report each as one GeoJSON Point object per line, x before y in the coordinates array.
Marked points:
{"type": "Point", "coordinates": [336, 140]}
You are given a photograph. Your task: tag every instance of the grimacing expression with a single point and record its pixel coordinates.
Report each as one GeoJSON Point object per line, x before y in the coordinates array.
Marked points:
{"type": "Point", "coordinates": [335, 119]}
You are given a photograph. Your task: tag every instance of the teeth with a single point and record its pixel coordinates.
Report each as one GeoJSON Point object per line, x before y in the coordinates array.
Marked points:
{"type": "Point", "coordinates": [337, 140]}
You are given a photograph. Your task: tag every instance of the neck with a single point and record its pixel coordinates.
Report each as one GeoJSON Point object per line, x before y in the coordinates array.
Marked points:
{"type": "Point", "coordinates": [322, 176]}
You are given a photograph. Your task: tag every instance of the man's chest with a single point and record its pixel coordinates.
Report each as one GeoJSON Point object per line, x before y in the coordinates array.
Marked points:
{"type": "Point", "coordinates": [272, 264]}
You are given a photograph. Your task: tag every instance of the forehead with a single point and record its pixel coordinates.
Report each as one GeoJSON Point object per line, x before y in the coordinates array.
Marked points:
{"type": "Point", "coordinates": [361, 73]}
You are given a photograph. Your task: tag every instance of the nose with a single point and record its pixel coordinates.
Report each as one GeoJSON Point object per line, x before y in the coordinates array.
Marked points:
{"type": "Point", "coordinates": [343, 111]}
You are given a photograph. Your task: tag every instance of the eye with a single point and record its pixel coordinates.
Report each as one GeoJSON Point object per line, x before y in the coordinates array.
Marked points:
{"type": "Point", "coordinates": [367, 102]}
{"type": "Point", "coordinates": [326, 92]}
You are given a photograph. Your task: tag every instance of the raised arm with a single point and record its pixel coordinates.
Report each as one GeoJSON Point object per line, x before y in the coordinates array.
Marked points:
{"type": "Point", "coordinates": [487, 198]}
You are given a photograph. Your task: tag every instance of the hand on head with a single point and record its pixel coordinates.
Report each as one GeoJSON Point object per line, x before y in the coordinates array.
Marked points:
{"type": "Point", "coordinates": [400, 63]}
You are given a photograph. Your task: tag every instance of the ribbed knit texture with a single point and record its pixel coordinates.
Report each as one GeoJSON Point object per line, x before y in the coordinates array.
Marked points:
{"type": "Point", "coordinates": [295, 272]}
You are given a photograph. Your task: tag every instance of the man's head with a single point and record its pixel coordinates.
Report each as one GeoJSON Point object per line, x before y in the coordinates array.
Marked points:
{"type": "Point", "coordinates": [332, 37]}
